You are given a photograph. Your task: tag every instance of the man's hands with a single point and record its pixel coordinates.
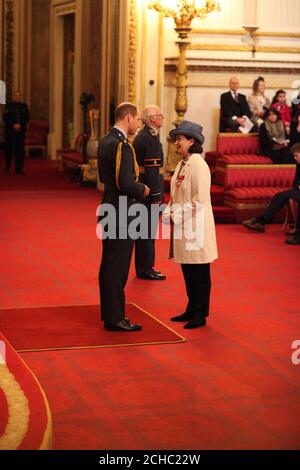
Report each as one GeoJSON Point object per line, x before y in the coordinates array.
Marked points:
{"type": "Point", "coordinates": [241, 121]}
{"type": "Point", "coordinates": [17, 127]}
{"type": "Point", "coordinates": [146, 191]}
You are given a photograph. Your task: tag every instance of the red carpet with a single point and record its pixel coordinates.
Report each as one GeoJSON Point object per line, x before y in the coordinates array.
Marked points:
{"type": "Point", "coordinates": [230, 385]}
{"type": "Point", "coordinates": [44, 328]}
{"type": "Point", "coordinates": [25, 416]}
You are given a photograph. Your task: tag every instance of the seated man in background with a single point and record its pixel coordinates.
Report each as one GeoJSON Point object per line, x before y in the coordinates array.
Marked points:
{"type": "Point", "coordinates": [235, 112]}
{"type": "Point", "coordinates": [257, 224]}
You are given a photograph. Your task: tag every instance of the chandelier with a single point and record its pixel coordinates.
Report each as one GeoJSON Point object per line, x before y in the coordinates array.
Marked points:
{"type": "Point", "coordinates": [184, 11]}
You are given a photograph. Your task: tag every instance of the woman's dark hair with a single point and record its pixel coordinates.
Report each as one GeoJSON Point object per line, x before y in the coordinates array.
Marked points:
{"type": "Point", "coordinates": [273, 111]}
{"type": "Point", "coordinates": [256, 83]}
{"type": "Point", "coordinates": [278, 92]}
{"type": "Point", "coordinates": [196, 147]}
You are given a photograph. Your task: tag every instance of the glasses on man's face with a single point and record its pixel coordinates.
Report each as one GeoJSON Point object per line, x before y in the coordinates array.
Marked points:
{"type": "Point", "coordinates": [158, 115]}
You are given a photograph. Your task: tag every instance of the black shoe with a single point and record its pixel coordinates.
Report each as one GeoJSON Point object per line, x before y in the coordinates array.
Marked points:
{"type": "Point", "coordinates": [183, 317]}
{"type": "Point", "coordinates": [254, 225]}
{"type": "Point", "coordinates": [154, 276]}
{"type": "Point", "coordinates": [293, 241]}
{"type": "Point", "coordinates": [195, 324]}
{"type": "Point", "coordinates": [122, 325]}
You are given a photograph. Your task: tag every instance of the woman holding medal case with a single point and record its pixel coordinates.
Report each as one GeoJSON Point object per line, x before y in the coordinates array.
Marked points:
{"type": "Point", "coordinates": [193, 238]}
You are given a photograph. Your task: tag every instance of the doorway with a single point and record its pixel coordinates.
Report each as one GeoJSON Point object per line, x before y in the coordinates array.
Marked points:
{"type": "Point", "coordinates": [68, 78]}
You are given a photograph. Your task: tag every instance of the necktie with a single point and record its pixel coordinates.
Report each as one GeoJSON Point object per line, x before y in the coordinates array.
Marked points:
{"type": "Point", "coordinates": [236, 99]}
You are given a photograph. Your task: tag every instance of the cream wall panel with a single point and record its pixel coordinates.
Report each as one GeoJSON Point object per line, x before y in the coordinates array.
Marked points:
{"type": "Point", "coordinates": [151, 58]}
{"type": "Point", "coordinates": [278, 15]}
{"type": "Point", "coordinates": [232, 13]}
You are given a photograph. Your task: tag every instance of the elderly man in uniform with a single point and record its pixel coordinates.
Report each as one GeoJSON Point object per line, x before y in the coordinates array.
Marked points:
{"type": "Point", "coordinates": [118, 170]}
{"type": "Point", "coordinates": [150, 158]}
{"type": "Point", "coordinates": [16, 118]}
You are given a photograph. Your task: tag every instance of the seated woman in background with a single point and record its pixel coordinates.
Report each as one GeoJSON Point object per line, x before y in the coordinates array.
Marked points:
{"type": "Point", "coordinates": [273, 139]}
{"type": "Point", "coordinates": [279, 103]}
{"type": "Point", "coordinates": [258, 102]}
{"type": "Point", "coordinates": [295, 125]}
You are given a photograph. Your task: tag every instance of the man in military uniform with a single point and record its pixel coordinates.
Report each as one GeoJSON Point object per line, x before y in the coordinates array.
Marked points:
{"type": "Point", "coordinates": [118, 171]}
{"type": "Point", "coordinates": [150, 157]}
{"type": "Point", "coordinates": [16, 118]}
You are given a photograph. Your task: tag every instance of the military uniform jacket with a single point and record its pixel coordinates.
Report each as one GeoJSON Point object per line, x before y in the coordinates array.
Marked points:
{"type": "Point", "coordinates": [150, 158]}
{"type": "Point", "coordinates": [116, 166]}
{"type": "Point", "coordinates": [15, 113]}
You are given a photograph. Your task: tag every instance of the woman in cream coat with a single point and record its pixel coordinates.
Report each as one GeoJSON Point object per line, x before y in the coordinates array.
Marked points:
{"type": "Point", "coordinates": [193, 238]}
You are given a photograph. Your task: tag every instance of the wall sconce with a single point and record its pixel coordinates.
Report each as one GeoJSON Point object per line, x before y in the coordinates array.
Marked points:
{"type": "Point", "coordinates": [183, 13]}
{"type": "Point", "coordinates": [250, 37]}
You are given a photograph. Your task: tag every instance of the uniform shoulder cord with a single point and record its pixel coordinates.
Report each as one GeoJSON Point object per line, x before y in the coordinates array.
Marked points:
{"type": "Point", "coordinates": [118, 164]}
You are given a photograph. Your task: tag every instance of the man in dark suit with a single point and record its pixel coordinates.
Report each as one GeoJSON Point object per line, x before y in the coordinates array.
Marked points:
{"type": "Point", "coordinates": [150, 158]}
{"type": "Point", "coordinates": [16, 118]}
{"type": "Point", "coordinates": [257, 224]}
{"type": "Point", "coordinates": [234, 108]}
{"type": "Point", "coordinates": [118, 171]}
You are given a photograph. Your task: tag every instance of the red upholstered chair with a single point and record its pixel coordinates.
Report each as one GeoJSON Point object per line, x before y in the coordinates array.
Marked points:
{"type": "Point", "coordinates": [36, 136]}
{"type": "Point", "coordinates": [237, 143]}
{"type": "Point", "coordinates": [257, 176]}
{"type": "Point", "coordinates": [70, 157]}
{"type": "Point", "coordinates": [250, 188]}
{"type": "Point", "coordinates": [234, 148]}
{"type": "Point", "coordinates": [237, 149]}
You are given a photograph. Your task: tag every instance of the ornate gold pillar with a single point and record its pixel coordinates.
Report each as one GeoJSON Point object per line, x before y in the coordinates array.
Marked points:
{"type": "Point", "coordinates": [132, 51]}
{"type": "Point", "coordinates": [181, 80]}
{"type": "Point", "coordinates": [1, 39]}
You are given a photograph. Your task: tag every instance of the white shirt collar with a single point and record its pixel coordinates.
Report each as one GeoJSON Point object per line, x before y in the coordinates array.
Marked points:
{"type": "Point", "coordinates": [121, 130]}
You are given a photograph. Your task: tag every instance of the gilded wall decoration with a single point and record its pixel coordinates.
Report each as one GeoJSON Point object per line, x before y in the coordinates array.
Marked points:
{"type": "Point", "coordinates": [9, 45]}
{"type": "Point", "coordinates": [132, 51]}
{"type": "Point", "coordinates": [238, 48]}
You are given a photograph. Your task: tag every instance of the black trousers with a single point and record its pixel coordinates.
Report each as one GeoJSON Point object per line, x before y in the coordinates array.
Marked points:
{"type": "Point", "coordinates": [198, 286]}
{"type": "Point", "coordinates": [145, 248]}
{"type": "Point", "coordinates": [113, 275]}
{"type": "Point", "coordinates": [280, 156]}
{"type": "Point", "coordinates": [14, 147]}
{"type": "Point", "coordinates": [278, 202]}
{"type": "Point", "coordinates": [229, 124]}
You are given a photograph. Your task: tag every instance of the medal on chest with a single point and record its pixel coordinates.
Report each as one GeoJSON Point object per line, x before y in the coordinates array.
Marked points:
{"type": "Point", "coordinates": [179, 180]}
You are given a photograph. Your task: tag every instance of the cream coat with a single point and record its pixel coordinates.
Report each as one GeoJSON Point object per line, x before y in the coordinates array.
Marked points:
{"type": "Point", "coordinates": [193, 194]}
